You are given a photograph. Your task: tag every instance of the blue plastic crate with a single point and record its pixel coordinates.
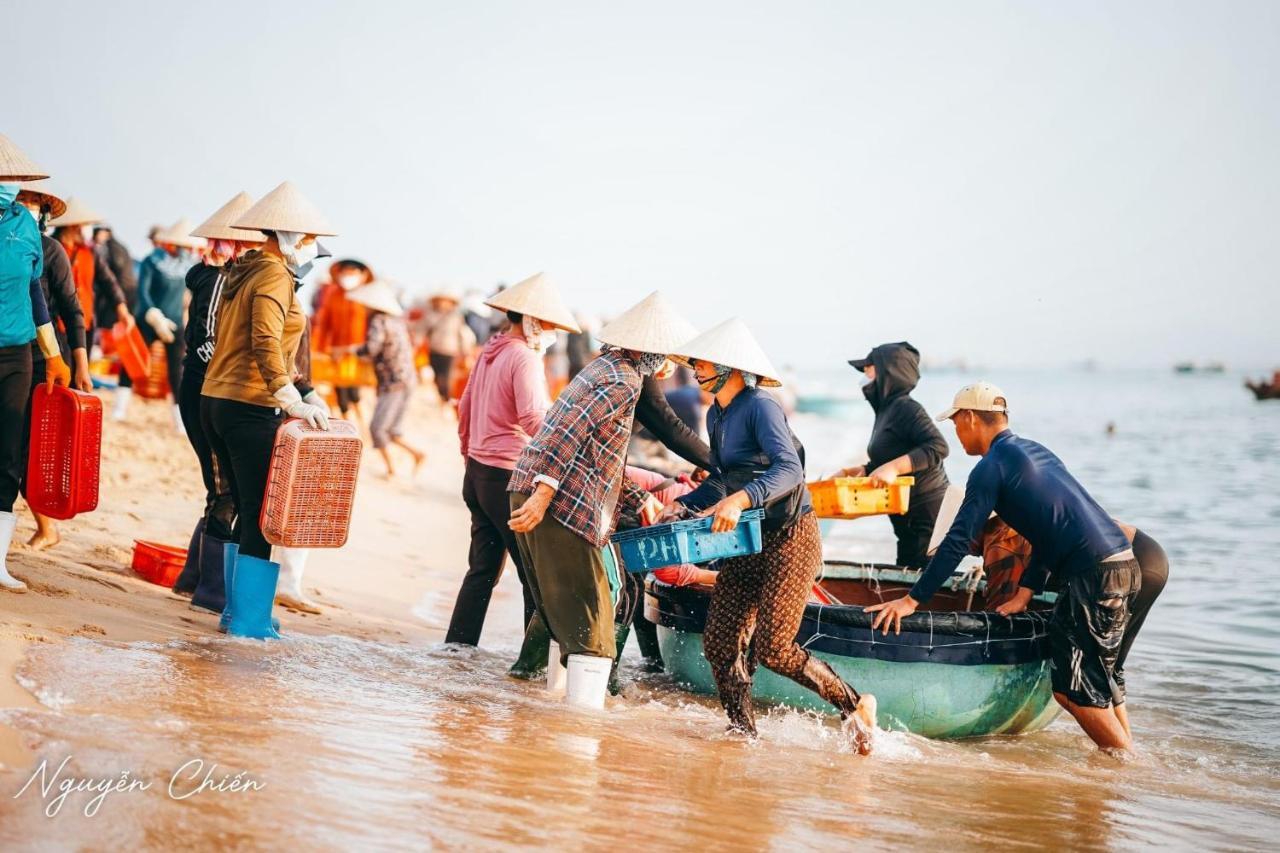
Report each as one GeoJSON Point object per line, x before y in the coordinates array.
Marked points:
{"type": "Point", "coordinates": [692, 541]}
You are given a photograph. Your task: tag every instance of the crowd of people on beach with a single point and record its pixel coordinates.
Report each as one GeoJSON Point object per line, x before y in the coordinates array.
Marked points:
{"type": "Point", "coordinates": [569, 433]}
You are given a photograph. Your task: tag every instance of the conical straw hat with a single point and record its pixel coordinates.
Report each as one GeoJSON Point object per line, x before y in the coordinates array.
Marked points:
{"type": "Point", "coordinates": [16, 166]}
{"type": "Point", "coordinates": [41, 193]}
{"type": "Point", "coordinates": [285, 209]}
{"type": "Point", "coordinates": [731, 344]}
{"type": "Point", "coordinates": [379, 296]}
{"type": "Point", "coordinates": [218, 226]}
{"type": "Point", "coordinates": [179, 234]}
{"type": "Point", "coordinates": [651, 325]}
{"type": "Point", "coordinates": [536, 297]}
{"type": "Point", "coordinates": [77, 213]}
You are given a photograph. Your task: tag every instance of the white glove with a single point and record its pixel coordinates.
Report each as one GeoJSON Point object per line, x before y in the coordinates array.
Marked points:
{"type": "Point", "coordinates": [316, 400]}
{"type": "Point", "coordinates": [163, 325]}
{"type": "Point", "coordinates": [293, 405]}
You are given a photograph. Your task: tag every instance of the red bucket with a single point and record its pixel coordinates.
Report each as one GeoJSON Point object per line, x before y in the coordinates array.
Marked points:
{"type": "Point", "coordinates": [66, 446]}
{"type": "Point", "coordinates": [160, 564]}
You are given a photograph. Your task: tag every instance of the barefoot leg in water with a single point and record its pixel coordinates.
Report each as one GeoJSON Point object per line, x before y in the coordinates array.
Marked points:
{"type": "Point", "coordinates": [1122, 714]}
{"type": "Point", "coordinates": [1102, 725]}
{"type": "Point", "coordinates": [46, 535]}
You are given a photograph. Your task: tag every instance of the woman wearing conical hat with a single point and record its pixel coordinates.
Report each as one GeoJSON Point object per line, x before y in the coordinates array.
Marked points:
{"type": "Point", "coordinates": [759, 599]}
{"type": "Point", "coordinates": [59, 288]}
{"type": "Point", "coordinates": [339, 327]}
{"type": "Point", "coordinates": [204, 281]}
{"type": "Point", "coordinates": [24, 317]}
{"type": "Point", "coordinates": [162, 287]}
{"type": "Point", "coordinates": [249, 386]}
{"type": "Point", "coordinates": [500, 412]}
{"type": "Point", "coordinates": [568, 488]}
{"type": "Point", "coordinates": [102, 299]}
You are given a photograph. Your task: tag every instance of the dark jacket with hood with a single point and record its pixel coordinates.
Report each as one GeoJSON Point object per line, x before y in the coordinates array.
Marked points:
{"type": "Point", "coordinates": [902, 426]}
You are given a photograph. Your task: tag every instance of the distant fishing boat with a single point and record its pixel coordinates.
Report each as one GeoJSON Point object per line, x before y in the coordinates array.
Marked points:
{"type": "Point", "coordinates": [825, 405]}
{"type": "Point", "coordinates": [1192, 367]}
{"type": "Point", "coordinates": [1264, 390]}
{"type": "Point", "coordinates": [953, 672]}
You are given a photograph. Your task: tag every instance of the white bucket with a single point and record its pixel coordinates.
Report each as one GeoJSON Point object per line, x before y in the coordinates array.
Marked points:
{"type": "Point", "coordinates": [556, 674]}
{"type": "Point", "coordinates": [588, 681]}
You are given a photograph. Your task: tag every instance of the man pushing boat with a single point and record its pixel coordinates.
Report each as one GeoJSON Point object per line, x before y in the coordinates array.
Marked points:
{"type": "Point", "coordinates": [1070, 535]}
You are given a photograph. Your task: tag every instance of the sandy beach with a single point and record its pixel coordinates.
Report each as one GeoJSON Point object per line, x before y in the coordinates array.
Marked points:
{"type": "Point", "coordinates": [393, 582]}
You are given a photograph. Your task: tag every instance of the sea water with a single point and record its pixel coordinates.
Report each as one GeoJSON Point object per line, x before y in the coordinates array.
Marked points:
{"type": "Point", "coordinates": [337, 743]}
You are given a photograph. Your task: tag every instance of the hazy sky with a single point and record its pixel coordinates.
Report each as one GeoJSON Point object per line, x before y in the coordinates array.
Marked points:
{"type": "Point", "coordinates": [1005, 182]}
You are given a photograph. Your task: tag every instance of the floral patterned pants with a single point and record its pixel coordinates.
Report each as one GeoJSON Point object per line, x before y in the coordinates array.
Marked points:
{"type": "Point", "coordinates": [755, 614]}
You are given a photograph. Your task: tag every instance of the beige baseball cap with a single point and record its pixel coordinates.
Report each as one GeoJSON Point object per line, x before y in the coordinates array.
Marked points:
{"type": "Point", "coordinates": [978, 397]}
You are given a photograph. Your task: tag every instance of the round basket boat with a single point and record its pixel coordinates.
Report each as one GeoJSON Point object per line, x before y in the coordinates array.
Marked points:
{"type": "Point", "coordinates": [955, 671]}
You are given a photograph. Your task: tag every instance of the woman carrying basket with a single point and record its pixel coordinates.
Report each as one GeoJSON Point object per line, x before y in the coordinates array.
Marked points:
{"type": "Point", "coordinates": [24, 316]}
{"type": "Point", "coordinates": [759, 599]}
{"type": "Point", "coordinates": [248, 389]}
{"type": "Point", "coordinates": [202, 576]}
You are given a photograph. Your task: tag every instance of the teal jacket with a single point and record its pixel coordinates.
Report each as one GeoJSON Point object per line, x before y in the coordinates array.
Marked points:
{"type": "Point", "coordinates": [162, 283]}
{"type": "Point", "coordinates": [22, 304]}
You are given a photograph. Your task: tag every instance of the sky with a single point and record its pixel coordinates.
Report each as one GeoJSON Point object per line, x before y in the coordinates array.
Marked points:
{"type": "Point", "coordinates": [1022, 183]}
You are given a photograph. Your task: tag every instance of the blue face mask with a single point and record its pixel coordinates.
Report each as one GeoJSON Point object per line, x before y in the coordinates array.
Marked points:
{"type": "Point", "coordinates": [8, 192]}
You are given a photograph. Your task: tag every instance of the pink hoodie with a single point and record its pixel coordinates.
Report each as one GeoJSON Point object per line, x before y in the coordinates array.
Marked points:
{"type": "Point", "coordinates": [503, 405]}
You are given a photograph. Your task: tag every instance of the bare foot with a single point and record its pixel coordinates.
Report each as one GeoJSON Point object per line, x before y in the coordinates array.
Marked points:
{"type": "Point", "coordinates": [861, 724]}
{"type": "Point", "coordinates": [43, 539]}
{"type": "Point", "coordinates": [297, 604]}
{"type": "Point", "coordinates": [418, 458]}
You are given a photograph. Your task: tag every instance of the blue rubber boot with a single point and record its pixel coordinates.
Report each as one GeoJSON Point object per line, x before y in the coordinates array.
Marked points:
{"type": "Point", "coordinates": [253, 592]}
{"type": "Point", "coordinates": [211, 589]}
{"type": "Point", "coordinates": [230, 551]}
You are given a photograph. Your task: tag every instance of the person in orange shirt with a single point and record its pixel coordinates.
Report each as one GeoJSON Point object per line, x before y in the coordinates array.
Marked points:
{"type": "Point", "coordinates": [101, 297]}
{"type": "Point", "coordinates": [339, 326]}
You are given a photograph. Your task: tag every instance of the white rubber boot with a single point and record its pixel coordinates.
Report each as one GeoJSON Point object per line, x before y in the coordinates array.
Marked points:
{"type": "Point", "coordinates": [8, 521]}
{"type": "Point", "coordinates": [588, 681]}
{"type": "Point", "coordinates": [556, 673]}
{"type": "Point", "coordinates": [177, 421]}
{"type": "Point", "coordinates": [121, 410]}
{"type": "Point", "coordinates": [289, 588]}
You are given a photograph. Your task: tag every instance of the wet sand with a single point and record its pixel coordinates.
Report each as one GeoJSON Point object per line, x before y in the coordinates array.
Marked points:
{"type": "Point", "coordinates": [393, 582]}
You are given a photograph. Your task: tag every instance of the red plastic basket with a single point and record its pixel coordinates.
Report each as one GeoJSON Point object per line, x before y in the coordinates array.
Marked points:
{"type": "Point", "coordinates": [311, 485]}
{"type": "Point", "coordinates": [160, 564]}
{"type": "Point", "coordinates": [66, 445]}
{"type": "Point", "coordinates": [132, 351]}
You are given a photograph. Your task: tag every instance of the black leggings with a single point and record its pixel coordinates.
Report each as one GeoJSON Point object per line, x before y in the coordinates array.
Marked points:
{"type": "Point", "coordinates": [219, 507]}
{"type": "Point", "coordinates": [1154, 565]}
{"type": "Point", "coordinates": [915, 528]}
{"type": "Point", "coordinates": [441, 366]}
{"type": "Point", "coordinates": [15, 391]}
{"type": "Point", "coordinates": [242, 436]}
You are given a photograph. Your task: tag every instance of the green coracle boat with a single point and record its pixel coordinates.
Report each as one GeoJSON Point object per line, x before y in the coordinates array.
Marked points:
{"type": "Point", "coordinates": [953, 672]}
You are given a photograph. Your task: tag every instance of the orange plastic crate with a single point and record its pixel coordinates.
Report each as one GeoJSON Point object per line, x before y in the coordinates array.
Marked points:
{"type": "Point", "coordinates": [160, 564]}
{"type": "Point", "coordinates": [855, 497]}
{"type": "Point", "coordinates": [66, 447]}
{"type": "Point", "coordinates": [156, 384]}
{"type": "Point", "coordinates": [311, 485]}
{"type": "Point", "coordinates": [132, 350]}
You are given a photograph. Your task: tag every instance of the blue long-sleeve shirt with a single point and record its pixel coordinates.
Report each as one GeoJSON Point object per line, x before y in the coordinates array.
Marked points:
{"type": "Point", "coordinates": [162, 283]}
{"type": "Point", "coordinates": [1030, 488]}
{"type": "Point", "coordinates": [751, 433]}
{"type": "Point", "coordinates": [22, 303]}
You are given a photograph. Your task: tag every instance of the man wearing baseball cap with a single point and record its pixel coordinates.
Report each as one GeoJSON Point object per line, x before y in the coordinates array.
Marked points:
{"type": "Point", "coordinates": [1071, 537]}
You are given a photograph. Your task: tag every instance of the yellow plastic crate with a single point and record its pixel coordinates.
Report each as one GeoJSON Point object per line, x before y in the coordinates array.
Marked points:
{"type": "Point", "coordinates": [854, 497]}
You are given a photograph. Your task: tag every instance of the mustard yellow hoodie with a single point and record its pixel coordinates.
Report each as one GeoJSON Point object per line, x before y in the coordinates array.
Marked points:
{"type": "Point", "coordinates": [259, 328]}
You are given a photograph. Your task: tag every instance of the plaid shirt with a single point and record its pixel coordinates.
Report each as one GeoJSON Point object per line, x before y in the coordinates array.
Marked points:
{"type": "Point", "coordinates": [582, 448]}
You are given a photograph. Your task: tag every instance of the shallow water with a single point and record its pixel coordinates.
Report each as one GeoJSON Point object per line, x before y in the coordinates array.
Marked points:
{"type": "Point", "coordinates": [367, 745]}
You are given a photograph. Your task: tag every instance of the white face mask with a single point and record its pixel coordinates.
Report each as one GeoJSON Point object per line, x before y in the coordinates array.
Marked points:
{"type": "Point", "coordinates": [295, 255]}
{"type": "Point", "coordinates": [539, 340]}
{"type": "Point", "coordinates": [86, 234]}
{"type": "Point", "coordinates": [350, 280]}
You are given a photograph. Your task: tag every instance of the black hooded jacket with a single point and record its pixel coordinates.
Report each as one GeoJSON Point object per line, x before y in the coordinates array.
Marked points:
{"type": "Point", "coordinates": [902, 426]}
